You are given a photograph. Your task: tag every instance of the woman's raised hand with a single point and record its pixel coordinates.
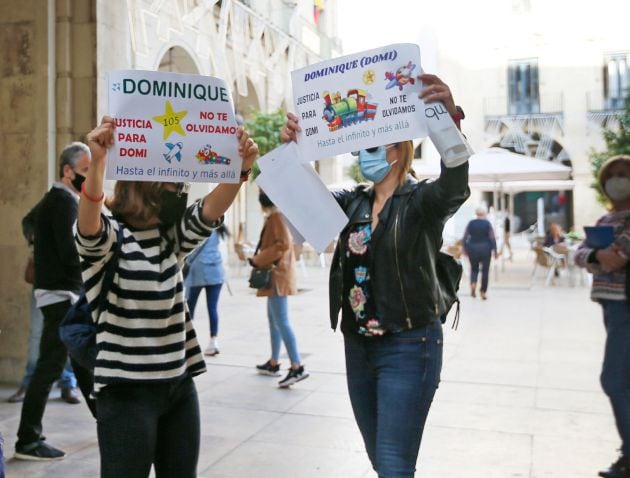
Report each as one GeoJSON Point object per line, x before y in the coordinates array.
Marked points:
{"type": "Point", "coordinates": [101, 138]}
{"type": "Point", "coordinates": [247, 148]}
{"type": "Point", "coordinates": [434, 89]}
{"type": "Point", "coordinates": [290, 130]}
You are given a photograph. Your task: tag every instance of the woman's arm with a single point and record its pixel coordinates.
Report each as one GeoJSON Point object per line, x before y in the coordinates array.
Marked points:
{"type": "Point", "coordinates": [217, 201]}
{"type": "Point", "coordinates": [100, 139]}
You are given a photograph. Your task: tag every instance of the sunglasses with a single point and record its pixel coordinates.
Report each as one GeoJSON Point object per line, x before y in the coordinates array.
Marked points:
{"type": "Point", "coordinates": [373, 150]}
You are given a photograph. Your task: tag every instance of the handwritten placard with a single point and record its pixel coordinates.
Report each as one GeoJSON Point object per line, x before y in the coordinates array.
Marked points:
{"type": "Point", "coordinates": [359, 101]}
{"type": "Point", "coordinates": [172, 128]}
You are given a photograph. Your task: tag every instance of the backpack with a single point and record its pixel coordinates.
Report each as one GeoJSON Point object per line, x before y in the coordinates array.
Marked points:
{"type": "Point", "coordinates": [77, 329]}
{"type": "Point", "coordinates": [449, 274]}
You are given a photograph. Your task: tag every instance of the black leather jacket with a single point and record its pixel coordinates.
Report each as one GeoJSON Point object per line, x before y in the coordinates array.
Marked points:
{"type": "Point", "coordinates": [404, 247]}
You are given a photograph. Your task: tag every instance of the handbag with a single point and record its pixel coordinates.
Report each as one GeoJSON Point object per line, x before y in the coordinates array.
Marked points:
{"type": "Point", "coordinates": [77, 329]}
{"type": "Point", "coordinates": [261, 278]}
{"type": "Point", "coordinates": [449, 274]}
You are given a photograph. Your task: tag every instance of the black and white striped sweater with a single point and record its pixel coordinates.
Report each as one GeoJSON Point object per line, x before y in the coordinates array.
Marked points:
{"type": "Point", "coordinates": [145, 334]}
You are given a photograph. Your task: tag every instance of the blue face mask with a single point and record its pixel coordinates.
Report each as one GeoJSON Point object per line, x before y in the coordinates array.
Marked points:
{"type": "Point", "coordinates": [373, 163]}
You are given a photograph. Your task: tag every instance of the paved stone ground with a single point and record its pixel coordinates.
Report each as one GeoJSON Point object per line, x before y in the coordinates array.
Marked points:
{"type": "Point", "coordinates": [519, 397]}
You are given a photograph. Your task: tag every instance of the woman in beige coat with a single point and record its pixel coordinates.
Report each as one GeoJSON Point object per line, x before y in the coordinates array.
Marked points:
{"type": "Point", "coordinates": [276, 250]}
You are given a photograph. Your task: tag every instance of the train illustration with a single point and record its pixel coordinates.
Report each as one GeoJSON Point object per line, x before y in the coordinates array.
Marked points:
{"type": "Point", "coordinates": [354, 108]}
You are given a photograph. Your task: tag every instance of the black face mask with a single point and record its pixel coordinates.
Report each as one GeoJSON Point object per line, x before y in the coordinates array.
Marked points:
{"type": "Point", "coordinates": [77, 182]}
{"type": "Point", "coordinates": [172, 207]}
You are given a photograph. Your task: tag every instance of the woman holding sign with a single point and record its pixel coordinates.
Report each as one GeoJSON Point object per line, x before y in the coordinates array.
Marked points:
{"type": "Point", "coordinates": [384, 282]}
{"type": "Point", "coordinates": [147, 407]}
{"type": "Point", "coordinates": [608, 261]}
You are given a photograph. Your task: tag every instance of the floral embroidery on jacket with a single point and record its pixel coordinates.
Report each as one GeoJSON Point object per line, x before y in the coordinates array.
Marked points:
{"type": "Point", "coordinates": [357, 300]}
{"type": "Point", "coordinates": [359, 305]}
{"type": "Point", "coordinates": [357, 240]}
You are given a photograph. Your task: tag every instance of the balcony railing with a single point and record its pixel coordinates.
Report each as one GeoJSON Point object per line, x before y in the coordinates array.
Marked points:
{"type": "Point", "coordinates": [603, 112]}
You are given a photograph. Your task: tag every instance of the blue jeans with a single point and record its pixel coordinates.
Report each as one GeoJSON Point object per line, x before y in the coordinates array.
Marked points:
{"type": "Point", "coordinates": [615, 376]}
{"type": "Point", "coordinates": [280, 329]}
{"type": "Point", "coordinates": [212, 300]}
{"type": "Point", "coordinates": [140, 424]}
{"type": "Point", "coordinates": [67, 379]}
{"type": "Point", "coordinates": [392, 381]}
{"type": "Point", "coordinates": [480, 258]}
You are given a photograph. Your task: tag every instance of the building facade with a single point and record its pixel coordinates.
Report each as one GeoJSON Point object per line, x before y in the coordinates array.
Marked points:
{"type": "Point", "coordinates": [543, 79]}
{"type": "Point", "coordinates": [52, 76]}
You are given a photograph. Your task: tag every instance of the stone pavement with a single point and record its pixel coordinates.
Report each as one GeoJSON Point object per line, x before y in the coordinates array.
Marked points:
{"type": "Point", "coordinates": [519, 397]}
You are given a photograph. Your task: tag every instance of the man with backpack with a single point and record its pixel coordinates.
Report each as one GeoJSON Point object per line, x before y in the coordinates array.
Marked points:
{"type": "Point", "coordinates": [57, 285]}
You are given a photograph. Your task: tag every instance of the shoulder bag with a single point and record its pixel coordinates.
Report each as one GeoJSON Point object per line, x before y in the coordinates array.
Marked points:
{"type": "Point", "coordinates": [77, 329]}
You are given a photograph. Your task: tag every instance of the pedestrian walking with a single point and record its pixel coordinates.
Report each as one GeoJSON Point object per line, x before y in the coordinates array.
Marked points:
{"type": "Point", "coordinates": [57, 285]}
{"type": "Point", "coordinates": [67, 381]}
{"type": "Point", "coordinates": [383, 280]}
{"type": "Point", "coordinates": [609, 265]}
{"type": "Point", "coordinates": [148, 411]}
{"type": "Point", "coordinates": [205, 272]}
{"type": "Point", "coordinates": [479, 245]}
{"type": "Point", "coordinates": [275, 250]}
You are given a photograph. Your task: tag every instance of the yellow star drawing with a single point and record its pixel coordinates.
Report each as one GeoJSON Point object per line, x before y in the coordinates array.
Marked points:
{"type": "Point", "coordinates": [368, 77]}
{"type": "Point", "coordinates": [171, 120]}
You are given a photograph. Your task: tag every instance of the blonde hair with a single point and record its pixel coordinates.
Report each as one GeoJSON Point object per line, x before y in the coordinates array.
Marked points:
{"type": "Point", "coordinates": [135, 201]}
{"type": "Point", "coordinates": [405, 151]}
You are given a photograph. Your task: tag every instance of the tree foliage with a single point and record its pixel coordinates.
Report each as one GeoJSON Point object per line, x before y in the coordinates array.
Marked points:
{"type": "Point", "coordinates": [617, 142]}
{"type": "Point", "coordinates": [264, 128]}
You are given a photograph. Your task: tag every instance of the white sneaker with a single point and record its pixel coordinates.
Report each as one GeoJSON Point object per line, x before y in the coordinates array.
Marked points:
{"type": "Point", "coordinates": [213, 348]}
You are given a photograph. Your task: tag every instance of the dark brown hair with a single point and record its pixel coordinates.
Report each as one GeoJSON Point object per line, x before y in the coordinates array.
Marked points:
{"type": "Point", "coordinates": [135, 201]}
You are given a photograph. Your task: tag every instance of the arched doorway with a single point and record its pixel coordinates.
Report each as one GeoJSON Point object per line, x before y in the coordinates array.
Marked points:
{"type": "Point", "coordinates": [177, 60]}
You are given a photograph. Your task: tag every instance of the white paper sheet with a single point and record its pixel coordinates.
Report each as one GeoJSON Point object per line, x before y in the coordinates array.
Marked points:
{"type": "Point", "coordinates": [296, 189]}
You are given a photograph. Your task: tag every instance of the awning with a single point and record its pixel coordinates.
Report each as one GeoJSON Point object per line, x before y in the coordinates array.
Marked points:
{"type": "Point", "coordinates": [497, 165]}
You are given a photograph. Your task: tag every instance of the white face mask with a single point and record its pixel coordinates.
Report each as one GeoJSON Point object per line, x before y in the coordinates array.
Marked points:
{"type": "Point", "coordinates": [618, 188]}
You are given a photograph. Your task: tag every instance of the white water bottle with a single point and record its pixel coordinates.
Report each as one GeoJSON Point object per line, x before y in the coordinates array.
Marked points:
{"type": "Point", "coordinates": [445, 135]}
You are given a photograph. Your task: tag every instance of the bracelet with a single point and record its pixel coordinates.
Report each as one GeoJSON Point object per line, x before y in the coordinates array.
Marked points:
{"type": "Point", "coordinates": [459, 116]}
{"type": "Point", "coordinates": [245, 175]}
{"type": "Point", "coordinates": [90, 198]}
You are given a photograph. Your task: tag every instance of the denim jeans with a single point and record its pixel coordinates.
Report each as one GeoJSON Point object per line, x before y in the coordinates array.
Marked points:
{"type": "Point", "coordinates": [480, 258]}
{"type": "Point", "coordinates": [144, 424]}
{"type": "Point", "coordinates": [392, 381]}
{"type": "Point", "coordinates": [280, 329]}
{"type": "Point", "coordinates": [615, 376]}
{"type": "Point", "coordinates": [52, 358]}
{"type": "Point", "coordinates": [67, 379]}
{"type": "Point", "coordinates": [212, 300]}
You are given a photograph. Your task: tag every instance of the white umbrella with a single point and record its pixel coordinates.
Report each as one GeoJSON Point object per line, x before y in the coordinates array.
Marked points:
{"type": "Point", "coordinates": [497, 165]}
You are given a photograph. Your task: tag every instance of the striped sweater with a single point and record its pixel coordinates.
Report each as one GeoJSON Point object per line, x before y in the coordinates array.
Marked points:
{"type": "Point", "coordinates": [608, 285]}
{"type": "Point", "coordinates": [145, 334]}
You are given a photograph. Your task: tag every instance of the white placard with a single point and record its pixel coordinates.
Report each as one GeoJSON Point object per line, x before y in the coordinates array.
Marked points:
{"type": "Point", "coordinates": [296, 189]}
{"type": "Point", "coordinates": [359, 101]}
{"type": "Point", "coordinates": [172, 128]}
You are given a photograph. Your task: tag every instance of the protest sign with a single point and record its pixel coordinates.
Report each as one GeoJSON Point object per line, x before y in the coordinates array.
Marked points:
{"type": "Point", "coordinates": [172, 128]}
{"type": "Point", "coordinates": [359, 101]}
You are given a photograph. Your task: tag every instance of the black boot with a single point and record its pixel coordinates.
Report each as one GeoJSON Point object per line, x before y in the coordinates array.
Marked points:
{"type": "Point", "coordinates": [619, 469]}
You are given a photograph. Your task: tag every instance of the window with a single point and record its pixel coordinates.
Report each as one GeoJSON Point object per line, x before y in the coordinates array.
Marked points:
{"type": "Point", "coordinates": [616, 80]}
{"type": "Point", "coordinates": [523, 97]}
